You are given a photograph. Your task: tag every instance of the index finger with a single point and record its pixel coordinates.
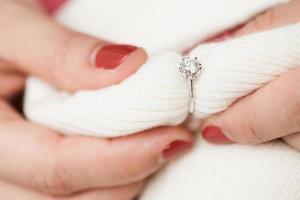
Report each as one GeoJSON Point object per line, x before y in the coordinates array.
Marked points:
{"type": "Point", "coordinates": [42, 159]}
{"type": "Point", "coordinates": [39, 46]}
{"type": "Point", "coordinates": [278, 16]}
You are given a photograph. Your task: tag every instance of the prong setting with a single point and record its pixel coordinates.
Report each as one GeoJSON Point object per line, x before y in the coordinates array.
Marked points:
{"type": "Point", "coordinates": [190, 68]}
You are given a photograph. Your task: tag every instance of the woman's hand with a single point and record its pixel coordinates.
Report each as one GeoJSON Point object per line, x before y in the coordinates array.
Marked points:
{"type": "Point", "coordinates": [39, 163]}
{"type": "Point", "coordinates": [79, 167]}
{"type": "Point", "coordinates": [33, 43]}
{"type": "Point", "coordinates": [270, 112]}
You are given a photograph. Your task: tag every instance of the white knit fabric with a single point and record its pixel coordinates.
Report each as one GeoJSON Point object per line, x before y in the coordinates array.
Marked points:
{"type": "Point", "coordinates": [236, 172]}
{"type": "Point", "coordinates": [159, 25]}
{"type": "Point", "coordinates": [158, 95]}
{"type": "Point", "coordinates": [155, 95]}
{"type": "Point", "coordinates": [235, 68]}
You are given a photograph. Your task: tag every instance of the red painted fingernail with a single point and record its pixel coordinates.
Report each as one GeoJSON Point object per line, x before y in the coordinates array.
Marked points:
{"type": "Point", "coordinates": [175, 148]}
{"type": "Point", "coordinates": [111, 56]}
{"type": "Point", "coordinates": [215, 135]}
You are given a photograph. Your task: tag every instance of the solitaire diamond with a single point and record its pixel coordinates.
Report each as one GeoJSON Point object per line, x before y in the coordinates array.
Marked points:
{"type": "Point", "coordinates": [190, 67]}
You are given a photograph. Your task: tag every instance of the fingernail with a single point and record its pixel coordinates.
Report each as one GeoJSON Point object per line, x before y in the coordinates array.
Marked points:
{"type": "Point", "coordinates": [215, 135]}
{"type": "Point", "coordinates": [175, 148]}
{"type": "Point", "coordinates": [111, 56]}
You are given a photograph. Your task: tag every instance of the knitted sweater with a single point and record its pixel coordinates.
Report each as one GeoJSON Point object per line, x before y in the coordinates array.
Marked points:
{"type": "Point", "coordinates": [158, 95]}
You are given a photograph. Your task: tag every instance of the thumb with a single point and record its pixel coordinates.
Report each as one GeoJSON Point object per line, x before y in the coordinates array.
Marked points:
{"type": "Point", "coordinates": [269, 113]}
{"type": "Point", "coordinates": [39, 46]}
{"type": "Point", "coordinates": [244, 122]}
{"type": "Point", "coordinates": [281, 15]}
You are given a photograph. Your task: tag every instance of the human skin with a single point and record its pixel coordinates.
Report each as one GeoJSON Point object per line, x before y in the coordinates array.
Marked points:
{"type": "Point", "coordinates": [39, 163]}
{"type": "Point", "coordinates": [272, 111]}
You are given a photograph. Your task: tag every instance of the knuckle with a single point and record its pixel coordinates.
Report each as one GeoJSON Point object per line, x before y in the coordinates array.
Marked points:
{"type": "Point", "coordinates": [255, 133]}
{"type": "Point", "coordinates": [253, 130]}
{"type": "Point", "coordinates": [136, 171]}
{"type": "Point", "coordinates": [57, 180]}
{"type": "Point", "coordinates": [292, 108]}
{"type": "Point", "coordinates": [247, 128]}
{"type": "Point", "coordinates": [61, 59]}
{"type": "Point", "coordinates": [54, 179]}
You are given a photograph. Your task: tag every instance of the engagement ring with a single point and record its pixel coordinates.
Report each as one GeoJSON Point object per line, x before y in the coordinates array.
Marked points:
{"type": "Point", "coordinates": [190, 68]}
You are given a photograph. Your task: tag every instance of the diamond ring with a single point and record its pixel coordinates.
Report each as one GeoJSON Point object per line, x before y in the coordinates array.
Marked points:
{"type": "Point", "coordinates": [190, 68]}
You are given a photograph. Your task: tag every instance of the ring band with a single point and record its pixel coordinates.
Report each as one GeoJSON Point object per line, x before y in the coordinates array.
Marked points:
{"type": "Point", "coordinates": [190, 68]}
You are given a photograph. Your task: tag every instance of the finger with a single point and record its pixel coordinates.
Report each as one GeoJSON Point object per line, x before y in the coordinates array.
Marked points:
{"type": "Point", "coordinates": [293, 140]}
{"type": "Point", "coordinates": [10, 84]}
{"type": "Point", "coordinates": [271, 112]}
{"type": "Point", "coordinates": [128, 192]}
{"type": "Point", "coordinates": [70, 60]}
{"type": "Point", "coordinates": [6, 67]}
{"type": "Point", "coordinates": [46, 161]}
{"type": "Point", "coordinates": [9, 191]}
{"type": "Point", "coordinates": [281, 15]}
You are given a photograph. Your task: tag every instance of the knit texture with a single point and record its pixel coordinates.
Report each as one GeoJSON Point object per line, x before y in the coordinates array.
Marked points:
{"type": "Point", "coordinates": [269, 171]}
{"type": "Point", "coordinates": [159, 95]}
{"type": "Point", "coordinates": [237, 67]}
{"type": "Point", "coordinates": [156, 95]}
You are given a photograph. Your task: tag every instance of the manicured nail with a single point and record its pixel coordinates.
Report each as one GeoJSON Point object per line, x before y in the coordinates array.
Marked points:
{"type": "Point", "coordinates": [215, 135]}
{"type": "Point", "coordinates": [111, 56]}
{"type": "Point", "coordinates": [176, 148]}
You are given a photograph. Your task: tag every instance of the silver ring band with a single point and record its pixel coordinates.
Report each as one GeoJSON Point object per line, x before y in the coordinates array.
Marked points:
{"type": "Point", "coordinates": [190, 68]}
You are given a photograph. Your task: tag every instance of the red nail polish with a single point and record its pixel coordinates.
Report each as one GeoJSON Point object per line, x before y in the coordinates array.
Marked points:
{"type": "Point", "coordinates": [175, 148]}
{"type": "Point", "coordinates": [110, 56]}
{"type": "Point", "coordinates": [215, 135]}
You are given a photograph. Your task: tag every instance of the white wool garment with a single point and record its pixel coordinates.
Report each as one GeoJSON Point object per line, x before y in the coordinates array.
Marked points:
{"type": "Point", "coordinates": [158, 95]}
{"type": "Point", "coordinates": [159, 25]}
{"type": "Point", "coordinates": [269, 171]}
{"type": "Point", "coordinates": [209, 172]}
{"type": "Point", "coordinates": [235, 68]}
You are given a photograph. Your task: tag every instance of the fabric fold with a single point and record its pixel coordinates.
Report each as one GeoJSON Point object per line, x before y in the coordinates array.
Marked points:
{"type": "Point", "coordinates": [158, 94]}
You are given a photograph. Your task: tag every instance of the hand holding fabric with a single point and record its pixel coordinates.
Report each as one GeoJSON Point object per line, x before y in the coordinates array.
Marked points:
{"type": "Point", "coordinates": [272, 111]}
{"type": "Point", "coordinates": [39, 163]}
